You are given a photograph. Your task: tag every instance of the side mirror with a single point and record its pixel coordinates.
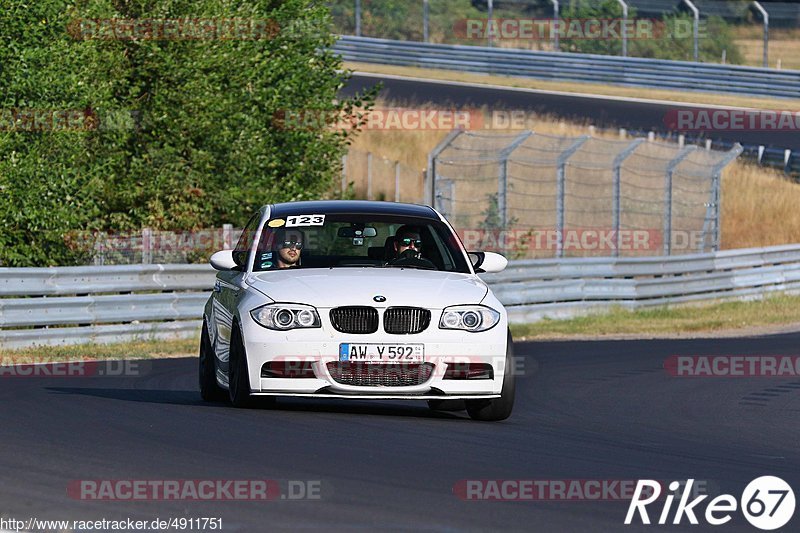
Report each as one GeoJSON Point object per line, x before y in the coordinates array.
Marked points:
{"type": "Point", "coordinates": [223, 261]}
{"type": "Point", "coordinates": [488, 262]}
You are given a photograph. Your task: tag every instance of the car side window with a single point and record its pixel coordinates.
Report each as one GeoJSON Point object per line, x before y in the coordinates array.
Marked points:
{"type": "Point", "coordinates": [246, 241]}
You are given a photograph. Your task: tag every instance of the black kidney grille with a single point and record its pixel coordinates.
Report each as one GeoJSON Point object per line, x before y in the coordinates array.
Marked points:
{"type": "Point", "coordinates": [406, 320]}
{"type": "Point", "coordinates": [380, 374]}
{"type": "Point", "coordinates": [355, 319]}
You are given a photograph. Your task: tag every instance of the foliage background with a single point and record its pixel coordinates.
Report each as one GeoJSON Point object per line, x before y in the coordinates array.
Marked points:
{"type": "Point", "coordinates": [402, 19]}
{"type": "Point", "coordinates": [187, 135]}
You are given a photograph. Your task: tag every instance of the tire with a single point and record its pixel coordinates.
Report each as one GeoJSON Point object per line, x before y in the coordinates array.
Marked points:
{"type": "Point", "coordinates": [238, 376]}
{"type": "Point", "coordinates": [495, 409]}
{"type": "Point", "coordinates": [210, 391]}
{"type": "Point", "coordinates": [447, 405]}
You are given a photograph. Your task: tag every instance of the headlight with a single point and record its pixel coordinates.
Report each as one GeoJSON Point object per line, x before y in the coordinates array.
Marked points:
{"type": "Point", "coordinates": [469, 318]}
{"type": "Point", "coordinates": [286, 316]}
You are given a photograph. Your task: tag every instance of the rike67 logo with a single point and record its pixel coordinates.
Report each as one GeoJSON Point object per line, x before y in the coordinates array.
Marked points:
{"type": "Point", "coordinates": [767, 503]}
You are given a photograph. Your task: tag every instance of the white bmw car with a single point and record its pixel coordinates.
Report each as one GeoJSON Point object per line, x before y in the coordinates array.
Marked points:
{"type": "Point", "coordinates": [354, 299]}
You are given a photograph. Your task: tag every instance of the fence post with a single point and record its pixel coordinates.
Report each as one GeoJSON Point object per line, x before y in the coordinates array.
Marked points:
{"type": "Point", "coordinates": [624, 27]}
{"type": "Point", "coordinates": [490, 13]}
{"type": "Point", "coordinates": [147, 246]}
{"type": "Point", "coordinates": [554, 27]}
{"type": "Point", "coordinates": [765, 16]}
{"type": "Point", "coordinates": [682, 154]}
{"type": "Point", "coordinates": [397, 181]}
{"type": "Point", "coordinates": [227, 236]}
{"type": "Point", "coordinates": [425, 20]}
{"type": "Point", "coordinates": [358, 18]}
{"type": "Point", "coordinates": [561, 181]}
{"type": "Point", "coordinates": [429, 182]}
{"type": "Point", "coordinates": [502, 178]}
{"type": "Point", "coordinates": [618, 160]}
{"type": "Point", "coordinates": [369, 175]}
{"type": "Point", "coordinates": [696, 29]}
{"type": "Point", "coordinates": [344, 174]}
{"type": "Point", "coordinates": [714, 210]}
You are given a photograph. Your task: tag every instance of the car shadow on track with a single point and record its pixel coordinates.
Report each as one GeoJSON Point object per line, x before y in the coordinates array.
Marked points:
{"type": "Point", "coordinates": [192, 398]}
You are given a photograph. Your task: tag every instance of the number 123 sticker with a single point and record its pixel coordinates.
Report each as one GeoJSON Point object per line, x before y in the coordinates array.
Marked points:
{"type": "Point", "coordinates": [305, 220]}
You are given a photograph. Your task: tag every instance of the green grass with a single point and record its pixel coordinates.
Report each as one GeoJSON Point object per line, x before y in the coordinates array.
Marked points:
{"type": "Point", "coordinates": [685, 319]}
{"type": "Point", "coordinates": [92, 352]}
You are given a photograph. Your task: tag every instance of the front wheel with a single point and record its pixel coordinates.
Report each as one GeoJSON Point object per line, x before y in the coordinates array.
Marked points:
{"type": "Point", "coordinates": [209, 389]}
{"type": "Point", "coordinates": [238, 376]}
{"type": "Point", "coordinates": [497, 408]}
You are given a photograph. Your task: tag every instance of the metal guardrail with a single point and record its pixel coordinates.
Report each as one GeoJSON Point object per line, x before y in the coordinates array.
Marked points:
{"type": "Point", "coordinates": [560, 66]}
{"type": "Point", "coordinates": [74, 305]}
{"type": "Point", "coordinates": [553, 288]}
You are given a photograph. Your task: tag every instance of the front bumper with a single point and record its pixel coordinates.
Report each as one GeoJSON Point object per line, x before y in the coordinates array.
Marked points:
{"type": "Point", "coordinates": [320, 346]}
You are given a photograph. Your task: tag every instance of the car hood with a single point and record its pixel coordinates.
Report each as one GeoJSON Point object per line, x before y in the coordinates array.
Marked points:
{"type": "Point", "coordinates": [328, 288]}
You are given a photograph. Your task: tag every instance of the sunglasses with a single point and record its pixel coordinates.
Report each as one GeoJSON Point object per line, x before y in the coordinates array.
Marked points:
{"type": "Point", "coordinates": [292, 244]}
{"type": "Point", "coordinates": [408, 241]}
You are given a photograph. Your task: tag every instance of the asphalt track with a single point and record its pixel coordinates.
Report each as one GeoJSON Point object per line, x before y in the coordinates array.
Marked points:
{"type": "Point", "coordinates": [603, 112]}
{"type": "Point", "coordinates": [585, 410]}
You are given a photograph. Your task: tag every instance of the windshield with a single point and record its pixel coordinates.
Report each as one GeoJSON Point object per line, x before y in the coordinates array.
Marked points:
{"type": "Point", "coordinates": [345, 241]}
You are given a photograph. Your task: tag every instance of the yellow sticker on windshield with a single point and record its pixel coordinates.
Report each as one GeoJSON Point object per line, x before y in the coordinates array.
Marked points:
{"type": "Point", "coordinates": [277, 223]}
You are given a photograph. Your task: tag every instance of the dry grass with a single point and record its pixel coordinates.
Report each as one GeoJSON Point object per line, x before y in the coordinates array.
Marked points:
{"type": "Point", "coordinates": [784, 46]}
{"type": "Point", "coordinates": [759, 205]}
{"type": "Point", "coordinates": [692, 97]}
{"type": "Point", "coordinates": [755, 317]}
{"type": "Point", "coordinates": [96, 352]}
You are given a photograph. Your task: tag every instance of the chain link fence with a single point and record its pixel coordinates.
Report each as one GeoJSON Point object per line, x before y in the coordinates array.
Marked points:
{"type": "Point", "coordinates": [370, 177]}
{"type": "Point", "coordinates": [148, 246]}
{"type": "Point", "coordinates": [530, 195]}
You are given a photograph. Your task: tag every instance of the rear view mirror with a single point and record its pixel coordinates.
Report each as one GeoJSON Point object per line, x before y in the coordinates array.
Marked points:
{"type": "Point", "coordinates": [354, 233]}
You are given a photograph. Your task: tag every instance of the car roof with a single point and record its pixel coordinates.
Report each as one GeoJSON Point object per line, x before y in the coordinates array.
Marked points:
{"type": "Point", "coordinates": [361, 207]}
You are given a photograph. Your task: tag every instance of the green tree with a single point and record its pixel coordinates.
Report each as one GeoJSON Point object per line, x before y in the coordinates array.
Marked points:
{"type": "Point", "coordinates": [188, 135]}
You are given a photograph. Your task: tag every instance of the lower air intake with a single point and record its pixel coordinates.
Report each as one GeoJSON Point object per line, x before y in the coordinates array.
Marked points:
{"type": "Point", "coordinates": [380, 374]}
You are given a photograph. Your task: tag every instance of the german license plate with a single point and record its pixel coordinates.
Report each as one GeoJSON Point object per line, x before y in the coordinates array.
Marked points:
{"type": "Point", "coordinates": [405, 353]}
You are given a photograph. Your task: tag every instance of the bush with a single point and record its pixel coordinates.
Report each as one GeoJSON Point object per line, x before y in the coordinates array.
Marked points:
{"type": "Point", "coordinates": [187, 135]}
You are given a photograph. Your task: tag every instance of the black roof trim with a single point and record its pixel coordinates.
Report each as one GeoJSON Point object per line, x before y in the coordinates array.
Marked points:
{"type": "Point", "coordinates": [350, 207]}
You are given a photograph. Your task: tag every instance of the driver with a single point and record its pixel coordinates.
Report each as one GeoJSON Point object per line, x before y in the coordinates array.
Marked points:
{"type": "Point", "coordinates": [407, 249]}
{"type": "Point", "coordinates": [407, 238]}
{"type": "Point", "coordinates": [287, 244]}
